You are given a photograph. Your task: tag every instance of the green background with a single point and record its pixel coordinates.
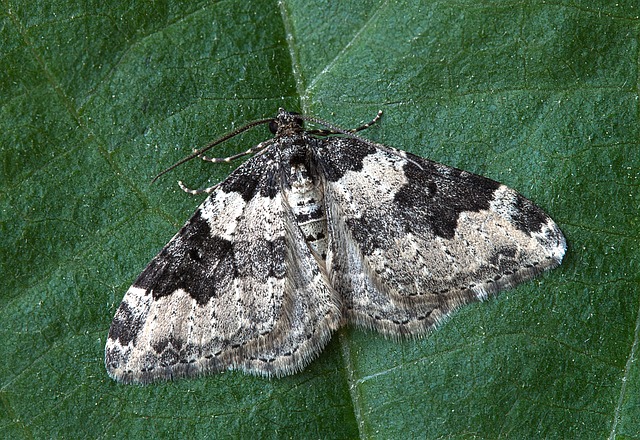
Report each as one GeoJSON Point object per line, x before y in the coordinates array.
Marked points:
{"type": "Point", "coordinates": [98, 97]}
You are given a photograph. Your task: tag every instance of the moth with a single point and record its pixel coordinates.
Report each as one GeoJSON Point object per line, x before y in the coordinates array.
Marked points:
{"type": "Point", "coordinates": [318, 229]}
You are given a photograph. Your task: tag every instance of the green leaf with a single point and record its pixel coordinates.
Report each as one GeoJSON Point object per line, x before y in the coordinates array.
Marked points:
{"type": "Point", "coordinates": [98, 97]}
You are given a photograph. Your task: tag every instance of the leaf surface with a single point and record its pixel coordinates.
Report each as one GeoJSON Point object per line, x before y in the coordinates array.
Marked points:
{"type": "Point", "coordinates": [100, 97]}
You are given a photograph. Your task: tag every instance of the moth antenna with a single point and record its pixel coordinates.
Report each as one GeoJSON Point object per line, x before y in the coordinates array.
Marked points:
{"type": "Point", "coordinates": [224, 138]}
{"type": "Point", "coordinates": [353, 135]}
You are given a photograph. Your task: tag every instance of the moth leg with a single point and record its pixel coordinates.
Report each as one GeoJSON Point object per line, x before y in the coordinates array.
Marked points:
{"type": "Point", "coordinates": [228, 159]}
{"type": "Point", "coordinates": [324, 132]}
{"type": "Point", "coordinates": [188, 190]}
{"type": "Point", "coordinates": [368, 124]}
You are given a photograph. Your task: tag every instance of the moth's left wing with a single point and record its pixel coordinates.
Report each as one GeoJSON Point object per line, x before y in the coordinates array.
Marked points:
{"type": "Point", "coordinates": [410, 240]}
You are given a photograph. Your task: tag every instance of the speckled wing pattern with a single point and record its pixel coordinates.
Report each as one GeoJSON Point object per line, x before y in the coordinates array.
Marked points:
{"type": "Point", "coordinates": [412, 240]}
{"type": "Point", "coordinates": [312, 233]}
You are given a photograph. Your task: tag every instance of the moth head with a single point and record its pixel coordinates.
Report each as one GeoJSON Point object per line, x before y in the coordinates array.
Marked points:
{"type": "Point", "coordinates": [286, 123]}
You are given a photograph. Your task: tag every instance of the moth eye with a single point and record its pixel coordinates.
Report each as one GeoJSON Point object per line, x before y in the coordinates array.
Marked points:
{"type": "Point", "coordinates": [296, 120]}
{"type": "Point", "coordinates": [273, 126]}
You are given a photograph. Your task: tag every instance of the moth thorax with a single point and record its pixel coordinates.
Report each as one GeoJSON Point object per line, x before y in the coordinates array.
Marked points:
{"type": "Point", "coordinates": [306, 200]}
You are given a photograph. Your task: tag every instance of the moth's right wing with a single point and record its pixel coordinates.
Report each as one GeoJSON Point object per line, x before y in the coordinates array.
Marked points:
{"type": "Point", "coordinates": [236, 288]}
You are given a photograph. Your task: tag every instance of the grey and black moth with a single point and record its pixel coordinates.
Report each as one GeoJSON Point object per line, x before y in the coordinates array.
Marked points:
{"type": "Point", "coordinates": [313, 232]}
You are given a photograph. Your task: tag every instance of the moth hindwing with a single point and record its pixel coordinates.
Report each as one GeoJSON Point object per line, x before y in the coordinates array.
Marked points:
{"type": "Point", "coordinates": [315, 231]}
